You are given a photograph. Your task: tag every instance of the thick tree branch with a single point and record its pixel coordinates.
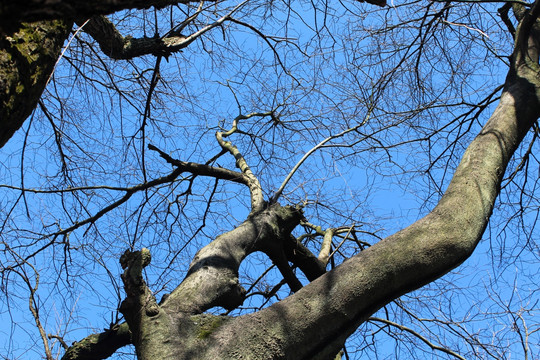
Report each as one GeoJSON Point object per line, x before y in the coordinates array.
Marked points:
{"type": "Point", "coordinates": [99, 346]}
{"type": "Point", "coordinates": [140, 309]}
{"type": "Point", "coordinates": [14, 12]}
{"type": "Point", "coordinates": [116, 46]}
{"type": "Point", "coordinates": [27, 59]}
{"type": "Point", "coordinates": [407, 260]}
{"type": "Point", "coordinates": [212, 278]}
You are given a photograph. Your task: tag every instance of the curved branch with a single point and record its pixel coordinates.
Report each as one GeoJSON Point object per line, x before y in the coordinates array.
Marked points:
{"type": "Point", "coordinates": [99, 346]}
{"type": "Point", "coordinates": [212, 278]}
{"type": "Point", "coordinates": [257, 196]}
{"type": "Point", "coordinates": [407, 260]}
{"type": "Point", "coordinates": [116, 46]}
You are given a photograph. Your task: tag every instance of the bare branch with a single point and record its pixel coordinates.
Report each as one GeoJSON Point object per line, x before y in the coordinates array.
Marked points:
{"type": "Point", "coordinates": [203, 170]}
{"type": "Point", "coordinates": [257, 197]}
{"type": "Point", "coordinates": [277, 194]}
{"type": "Point", "coordinates": [419, 336]}
{"type": "Point", "coordinates": [33, 306]}
{"type": "Point", "coordinates": [212, 279]}
{"type": "Point", "coordinates": [116, 46]}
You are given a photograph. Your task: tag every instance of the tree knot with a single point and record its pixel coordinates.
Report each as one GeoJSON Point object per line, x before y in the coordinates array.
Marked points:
{"type": "Point", "coordinates": [133, 262]}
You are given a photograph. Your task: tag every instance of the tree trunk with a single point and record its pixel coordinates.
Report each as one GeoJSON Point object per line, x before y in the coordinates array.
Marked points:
{"type": "Point", "coordinates": [27, 59]}
{"type": "Point", "coordinates": [314, 322]}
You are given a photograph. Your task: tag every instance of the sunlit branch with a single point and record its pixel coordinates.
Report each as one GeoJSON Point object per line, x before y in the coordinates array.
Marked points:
{"type": "Point", "coordinates": [257, 197]}
{"type": "Point", "coordinates": [346, 237]}
{"type": "Point", "coordinates": [326, 252]}
{"type": "Point", "coordinates": [466, 27]}
{"type": "Point", "coordinates": [326, 247]}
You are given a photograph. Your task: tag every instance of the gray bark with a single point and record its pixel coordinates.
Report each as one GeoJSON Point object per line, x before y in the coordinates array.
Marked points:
{"type": "Point", "coordinates": [314, 322]}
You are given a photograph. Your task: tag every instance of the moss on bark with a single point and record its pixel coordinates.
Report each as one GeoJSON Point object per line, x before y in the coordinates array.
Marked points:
{"type": "Point", "coordinates": [27, 59]}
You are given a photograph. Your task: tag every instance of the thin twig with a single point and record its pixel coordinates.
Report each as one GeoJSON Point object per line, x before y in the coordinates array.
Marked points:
{"type": "Point", "coordinates": [306, 155]}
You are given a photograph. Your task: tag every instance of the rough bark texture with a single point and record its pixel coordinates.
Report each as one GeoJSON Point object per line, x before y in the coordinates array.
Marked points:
{"type": "Point", "coordinates": [27, 59]}
{"type": "Point", "coordinates": [314, 322]}
{"type": "Point", "coordinates": [212, 278]}
{"type": "Point", "coordinates": [99, 346]}
{"type": "Point", "coordinates": [116, 46]}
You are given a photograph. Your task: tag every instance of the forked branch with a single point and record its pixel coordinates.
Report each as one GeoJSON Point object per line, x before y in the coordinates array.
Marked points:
{"type": "Point", "coordinates": [257, 196]}
{"type": "Point", "coordinates": [117, 46]}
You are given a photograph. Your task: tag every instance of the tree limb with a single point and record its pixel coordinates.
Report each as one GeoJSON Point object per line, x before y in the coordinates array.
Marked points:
{"type": "Point", "coordinates": [202, 169]}
{"type": "Point", "coordinates": [12, 13]}
{"type": "Point", "coordinates": [116, 46]}
{"type": "Point", "coordinates": [257, 197]}
{"type": "Point", "coordinates": [99, 346]}
{"type": "Point", "coordinates": [212, 278]}
{"type": "Point", "coordinates": [409, 259]}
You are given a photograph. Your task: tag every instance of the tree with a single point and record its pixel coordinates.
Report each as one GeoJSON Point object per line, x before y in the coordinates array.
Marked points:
{"type": "Point", "coordinates": [269, 86]}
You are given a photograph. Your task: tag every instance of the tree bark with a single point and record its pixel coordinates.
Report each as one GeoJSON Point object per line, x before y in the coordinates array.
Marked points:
{"type": "Point", "coordinates": [116, 46]}
{"type": "Point", "coordinates": [27, 59]}
{"type": "Point", "coordinates": [12, 13]}
{"type": "Point", "coordinates": [314, 322]}
{"type": "Point", "coordinates": [99, 346]}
